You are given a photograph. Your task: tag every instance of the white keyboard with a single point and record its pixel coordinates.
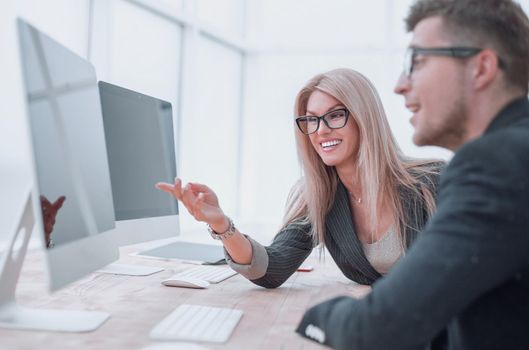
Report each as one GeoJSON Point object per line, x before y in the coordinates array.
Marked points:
{"type": "Point", "coordinates": [212, 274]}
{"type": "Point", "coordinates": [197, 323]}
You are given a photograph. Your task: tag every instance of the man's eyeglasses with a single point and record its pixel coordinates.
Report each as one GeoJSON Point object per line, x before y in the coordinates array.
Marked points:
{"type": "Point", "coordinates": [335, 119]}
{"type": "Point", "coordinates": [457, 52]}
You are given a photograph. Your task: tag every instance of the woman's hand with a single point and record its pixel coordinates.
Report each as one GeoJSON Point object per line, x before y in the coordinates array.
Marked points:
{"type": "Point", "coordinates": [201, 202]}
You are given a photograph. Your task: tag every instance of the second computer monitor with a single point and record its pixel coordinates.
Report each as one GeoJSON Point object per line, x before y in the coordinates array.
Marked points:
{"type": "Point", "coordinates": [141, 152]}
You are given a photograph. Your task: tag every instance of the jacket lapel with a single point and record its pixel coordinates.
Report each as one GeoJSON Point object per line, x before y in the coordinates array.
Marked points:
{"type": "Point", "coordinates": [344, 243]}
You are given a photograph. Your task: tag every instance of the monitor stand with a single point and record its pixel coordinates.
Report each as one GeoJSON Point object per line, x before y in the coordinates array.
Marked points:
{"type": "Point", "coordinates": [207, 254]}
{"type": "Point", "coordinates": [17, 317]}
{"type": "Point", "coordinates": [129, 270]}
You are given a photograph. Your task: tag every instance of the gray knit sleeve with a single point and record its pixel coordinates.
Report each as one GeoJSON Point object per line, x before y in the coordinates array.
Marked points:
{"type": "Point", "coordinates": [258, 265]}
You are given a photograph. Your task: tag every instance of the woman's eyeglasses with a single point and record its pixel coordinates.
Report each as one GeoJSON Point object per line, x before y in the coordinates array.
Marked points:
{"type": "Point", "coordinates": [336, 119]}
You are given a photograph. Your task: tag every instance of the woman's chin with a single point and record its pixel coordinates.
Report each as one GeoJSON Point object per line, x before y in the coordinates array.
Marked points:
{"type": "Point", "coordinates": [330, 162]}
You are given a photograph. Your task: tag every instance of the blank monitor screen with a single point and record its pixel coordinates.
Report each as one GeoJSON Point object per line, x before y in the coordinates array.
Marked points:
{"type": "Point", "coordinates": [72, 182]}
{"type": "Point", "coordinates": [68, 139]}
{"type": "Point", "coordinates": [140, 145]}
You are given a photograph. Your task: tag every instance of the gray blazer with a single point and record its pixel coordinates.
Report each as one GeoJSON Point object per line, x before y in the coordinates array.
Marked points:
{"type": "Point", "coordinates": [273, 265]}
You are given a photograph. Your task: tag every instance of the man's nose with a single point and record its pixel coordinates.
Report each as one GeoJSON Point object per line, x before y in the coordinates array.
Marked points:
{"type": "Point", "coordinates": [403, 84]}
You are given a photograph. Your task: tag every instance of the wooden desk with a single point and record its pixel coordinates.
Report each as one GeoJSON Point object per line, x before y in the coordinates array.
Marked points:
{"type": "Point", "coordinates": [136, 304]}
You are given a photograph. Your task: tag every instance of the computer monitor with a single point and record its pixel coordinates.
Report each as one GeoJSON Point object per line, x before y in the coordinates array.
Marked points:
{"type": "Point", "coordinates": [70, 204]}
{"type": "Point", "coordinates": [141, 152]}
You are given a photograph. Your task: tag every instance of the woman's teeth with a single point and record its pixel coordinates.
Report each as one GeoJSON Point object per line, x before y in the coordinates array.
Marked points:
{"type": "Point", "coordinates": [327, 144]}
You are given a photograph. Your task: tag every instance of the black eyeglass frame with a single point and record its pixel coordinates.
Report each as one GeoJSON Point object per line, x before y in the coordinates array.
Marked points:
{"type": "Point", "coordinates": [457, 52]}
{"type": "Point", "coordinates": [320, 118]}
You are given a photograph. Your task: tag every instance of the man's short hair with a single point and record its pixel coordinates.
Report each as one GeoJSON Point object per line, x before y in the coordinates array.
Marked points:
{"type": "Point", "coordinates": [500, 25]}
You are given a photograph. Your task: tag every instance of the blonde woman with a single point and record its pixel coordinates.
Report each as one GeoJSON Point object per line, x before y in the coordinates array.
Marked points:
{"type": "Point", "coordinates": [360, 196]}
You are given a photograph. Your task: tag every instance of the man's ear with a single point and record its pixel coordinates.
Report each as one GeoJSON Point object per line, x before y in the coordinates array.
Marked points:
{"type": "Point", "coordinates": [486, 68]}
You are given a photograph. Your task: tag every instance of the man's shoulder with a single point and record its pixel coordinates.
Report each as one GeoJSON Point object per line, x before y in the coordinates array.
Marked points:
{"type": "Point", "coordinates": [507, 147]}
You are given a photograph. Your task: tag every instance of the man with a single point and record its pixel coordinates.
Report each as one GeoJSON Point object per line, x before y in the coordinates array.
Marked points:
{"type": "Point", "coordinates": [465, 82]}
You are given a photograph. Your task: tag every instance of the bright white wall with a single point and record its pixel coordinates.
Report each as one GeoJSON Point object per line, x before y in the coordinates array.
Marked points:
{"type": "Point", "coordinates": [209, 144]}
{"type": "Point", "coordinates": [53, 17]}
{"type": "Point", "coordinates": [144, 51]}
{"type": "Point", "coordinates": [226, 16]}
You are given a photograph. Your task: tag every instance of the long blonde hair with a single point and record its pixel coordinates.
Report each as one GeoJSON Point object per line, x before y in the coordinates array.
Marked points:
{"type": "Point", "coordinates": [382, 168]}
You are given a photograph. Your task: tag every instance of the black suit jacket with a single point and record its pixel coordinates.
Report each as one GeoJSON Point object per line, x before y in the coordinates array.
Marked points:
{"type": "Point", "coordinates": [469, 270]}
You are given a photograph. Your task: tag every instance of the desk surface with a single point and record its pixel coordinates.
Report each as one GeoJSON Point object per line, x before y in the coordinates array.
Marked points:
{"type": "Point", "coordinates": [136, 304]}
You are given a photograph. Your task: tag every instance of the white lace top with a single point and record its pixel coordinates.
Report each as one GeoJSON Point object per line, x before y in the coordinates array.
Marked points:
{"type": "Point", "coordinates": [385, 252]}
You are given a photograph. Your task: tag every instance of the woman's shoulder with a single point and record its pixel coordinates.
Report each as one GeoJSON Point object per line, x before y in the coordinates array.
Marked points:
{"type": "Point", "coordinates": [428, 171]}
{"type": "Point", "coordinates": [426, 166]}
